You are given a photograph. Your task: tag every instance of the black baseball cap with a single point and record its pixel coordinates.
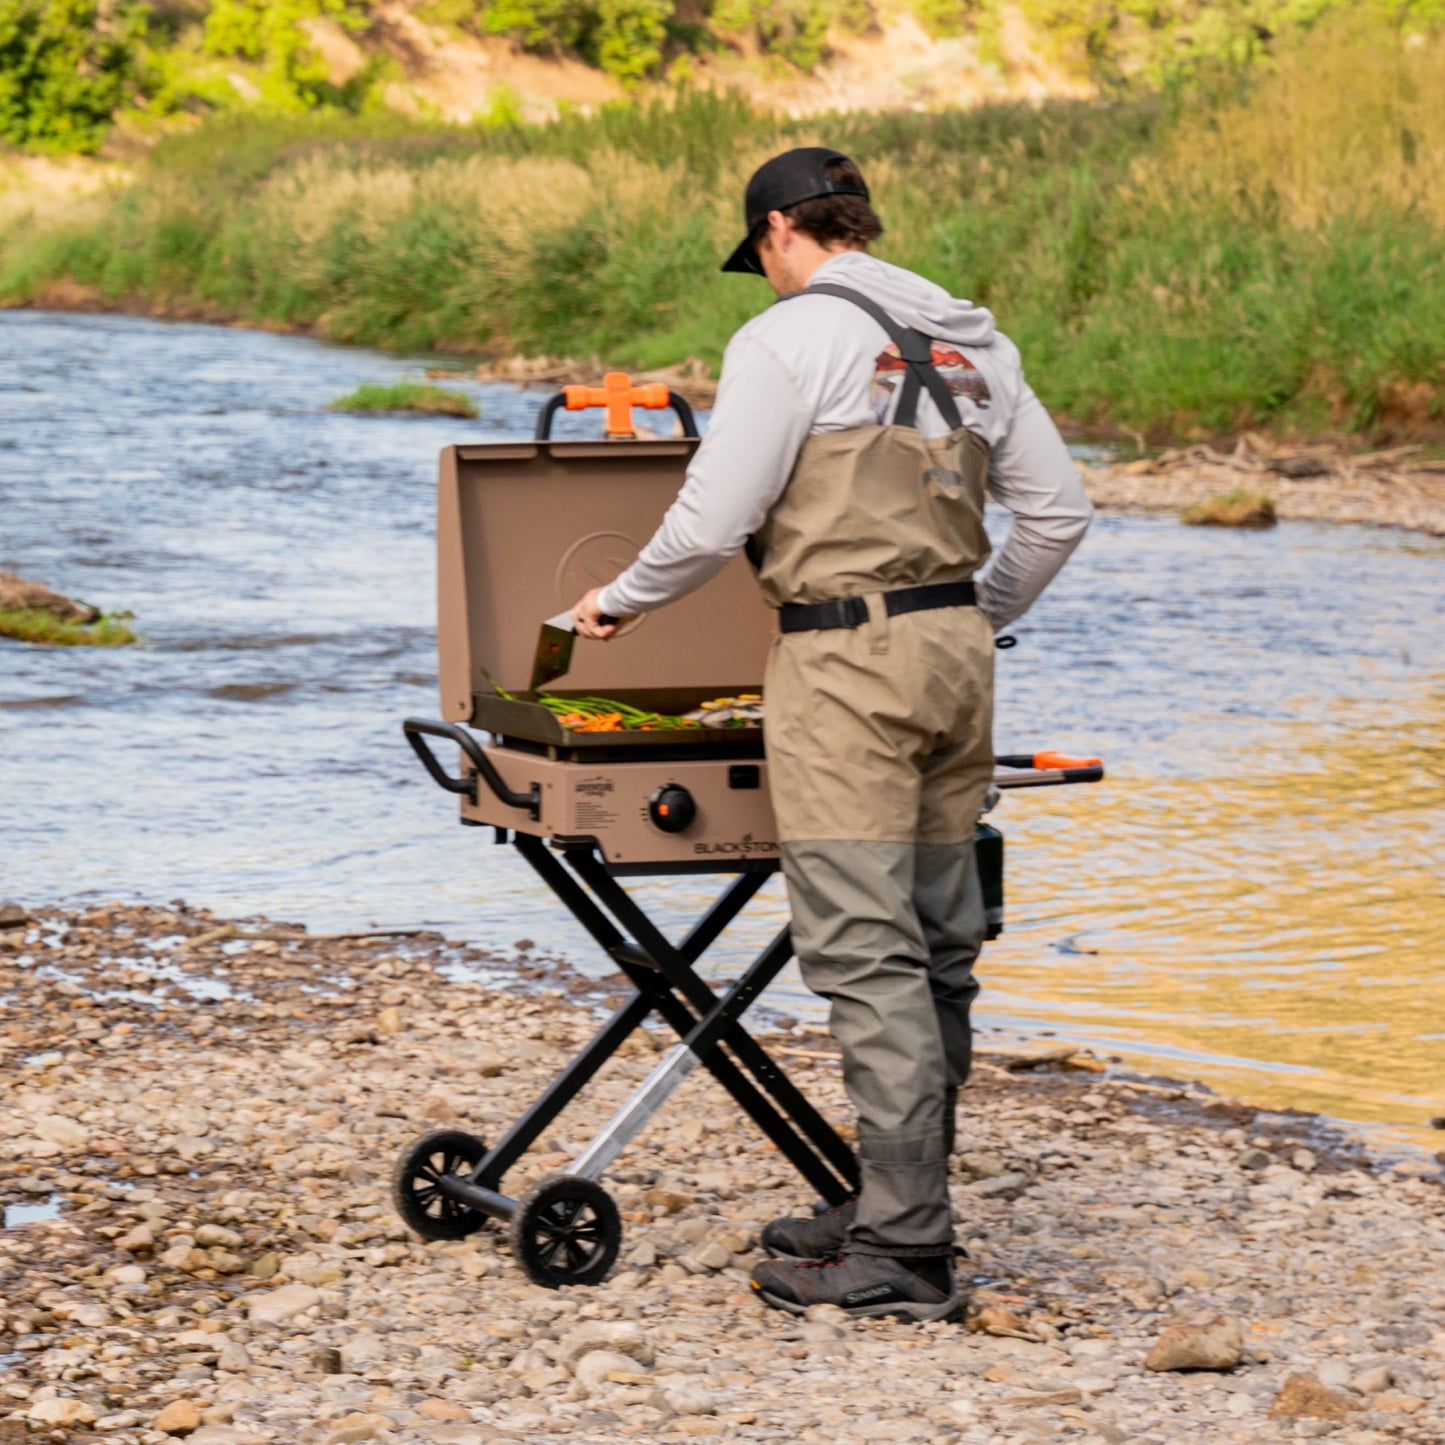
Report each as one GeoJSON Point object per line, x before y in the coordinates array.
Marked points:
{"type": "Point", "coordinates": [786, 180]}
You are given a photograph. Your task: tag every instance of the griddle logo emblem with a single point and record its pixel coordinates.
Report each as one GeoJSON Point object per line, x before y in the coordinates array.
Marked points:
{"type": "Point", "coordinates": [746, 844]}
{"type": "Point", "coordinates": [594, 787]}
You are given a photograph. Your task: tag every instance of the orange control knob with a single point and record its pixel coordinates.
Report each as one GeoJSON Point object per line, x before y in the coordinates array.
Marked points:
{"type": "Point", "coordinates": [672, 808]}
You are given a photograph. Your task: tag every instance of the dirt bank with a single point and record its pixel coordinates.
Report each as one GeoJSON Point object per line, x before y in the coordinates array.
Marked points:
{"type": "Point", "coordinates": [215, 1120]}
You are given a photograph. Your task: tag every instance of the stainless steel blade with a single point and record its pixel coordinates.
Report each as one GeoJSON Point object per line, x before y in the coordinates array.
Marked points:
{"type": "Point", "coordinates": [554, 650]}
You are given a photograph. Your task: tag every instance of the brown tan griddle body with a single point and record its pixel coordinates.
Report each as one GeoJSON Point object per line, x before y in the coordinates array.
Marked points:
{"type": "Point", "coordinates": [524, 529]}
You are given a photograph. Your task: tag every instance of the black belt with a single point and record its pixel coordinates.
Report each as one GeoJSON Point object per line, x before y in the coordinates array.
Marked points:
{"type": "Point", "coordinates": [853, 611]}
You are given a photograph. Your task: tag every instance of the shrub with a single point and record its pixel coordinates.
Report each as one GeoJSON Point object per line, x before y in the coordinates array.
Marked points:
{"type": "Point", "coordinates": [274, 34]}
{"type": "Point", "coordinates": [64, 70]}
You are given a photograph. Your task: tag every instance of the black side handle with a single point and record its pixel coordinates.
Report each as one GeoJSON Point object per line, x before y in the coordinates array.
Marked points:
{"type": "Point", "coordinates": [1041, 769]}
{"type": "Point", "coordinates": [554, 404]}
{"type": "Point", "coordinates": [550, 408]}
{"type": "Point", "coordinates": [684, 414]}
{"type": "Point", "coordinates": [418, 728]}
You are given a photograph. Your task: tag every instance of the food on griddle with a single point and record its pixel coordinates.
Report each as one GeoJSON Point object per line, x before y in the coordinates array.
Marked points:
{"type": "Point", "coordinates": [725, 712]}
{"type": "Point", "coordinates": [607, 715]}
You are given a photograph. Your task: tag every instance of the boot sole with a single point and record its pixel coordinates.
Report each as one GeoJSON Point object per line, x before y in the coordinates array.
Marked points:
{"type": "Point", "coordinates": [918, 1314]}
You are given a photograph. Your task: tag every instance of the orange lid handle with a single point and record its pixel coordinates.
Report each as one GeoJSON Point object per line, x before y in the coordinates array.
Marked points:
{"type": "Point", "coordinates": [1063, 760]}
{"type": "Point", "coordinates": [619, 396]}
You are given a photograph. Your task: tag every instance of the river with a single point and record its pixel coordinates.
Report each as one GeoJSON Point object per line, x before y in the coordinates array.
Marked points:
{"type": "Point", "coordinates": [1253, 898]}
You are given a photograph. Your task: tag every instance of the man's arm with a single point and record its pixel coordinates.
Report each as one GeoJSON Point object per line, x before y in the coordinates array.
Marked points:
{"type": "Point", "coordinates": [759, 423]}
{"type": "Point", "coordinates": [1032, 474]}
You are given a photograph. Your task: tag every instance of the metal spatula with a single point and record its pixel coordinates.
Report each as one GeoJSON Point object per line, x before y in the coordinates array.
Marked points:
{"type": "Point", "coordinates": [554, 649]}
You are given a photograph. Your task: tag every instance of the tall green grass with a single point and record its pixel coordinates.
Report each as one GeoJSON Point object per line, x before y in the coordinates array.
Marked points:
{"type": "Point", "coordinates": [1264, 249]}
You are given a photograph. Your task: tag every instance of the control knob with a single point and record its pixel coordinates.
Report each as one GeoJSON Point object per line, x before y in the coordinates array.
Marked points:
{"type": "Point", "coordinates": [672, 808]}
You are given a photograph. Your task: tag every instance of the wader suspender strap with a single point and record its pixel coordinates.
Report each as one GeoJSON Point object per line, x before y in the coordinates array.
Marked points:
{"type": "Point", "coordinates": [916, 351]}
{"type": "Point", "coordinates": [914, 347]}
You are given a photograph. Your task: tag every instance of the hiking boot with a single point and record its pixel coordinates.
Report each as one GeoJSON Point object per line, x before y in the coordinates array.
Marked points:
{"type": "Point", "coordinates": [826, 1232]}
{"type": "Point", "coordinates": [864, 1285]}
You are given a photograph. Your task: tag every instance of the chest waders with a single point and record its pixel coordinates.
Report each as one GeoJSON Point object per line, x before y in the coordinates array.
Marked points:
{"type": "Point", "coordinates": [879, 736]}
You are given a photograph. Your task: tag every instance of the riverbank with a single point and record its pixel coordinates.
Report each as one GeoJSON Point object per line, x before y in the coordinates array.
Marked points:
{"type": "Point", "coordinates": [1324, 481]}
{"type": "Point", "coordinates": [1137, 245]}
{"type": "Point", "coordinates": [214, 1112]}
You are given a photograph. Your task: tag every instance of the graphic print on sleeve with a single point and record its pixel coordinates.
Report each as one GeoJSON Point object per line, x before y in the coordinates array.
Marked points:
{"type": "Point", "coordinates": [963, 378]}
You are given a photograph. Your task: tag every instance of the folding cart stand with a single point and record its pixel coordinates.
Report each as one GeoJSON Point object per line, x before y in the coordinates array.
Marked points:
{"type": "Point", "coordinates": [523, 529]}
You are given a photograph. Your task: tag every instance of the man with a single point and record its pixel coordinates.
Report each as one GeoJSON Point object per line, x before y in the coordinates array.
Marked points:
{"type": "Point", "coordinates": [857, 426]}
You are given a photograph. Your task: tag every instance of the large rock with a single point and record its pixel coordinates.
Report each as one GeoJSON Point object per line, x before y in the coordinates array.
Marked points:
{"type": "Point", "coordinates": [17, 595]}
{"type": "Point", "coordinates": [1302, 1397]}
{"type": "Point", "coordinates": [624, 1337]}
{"type": "Point", "coordinates": [234, 1358]}
{"type": "Point", "coordinates": [1399, 1400]}
{"type": "Point", "coordinates": [356, 1427]}
{"type": "Point", "coordinates": [595, 1370]}
{"type": "Point", "coordinates": [1216, 1344]}
{"type": "Point", "coordinates": [138, 1240]}
{"type": "Point", "coordinates": [217, 1236]}
{"type": "Point", "coordinates": [708, 1256]}
{"type": "Point", "coordinates": [280, 1305]}
{"type": "Point", "coordinates": [180, 1417]}
{"type": "Point", "coordinates": [1372, 1381]}
{"type": "Point", "coordinates": [60, 1411]}
{"type": "Point", "coordinates": [442, 1410]}
{"type": "Point", "coordinates": [57, 1129]}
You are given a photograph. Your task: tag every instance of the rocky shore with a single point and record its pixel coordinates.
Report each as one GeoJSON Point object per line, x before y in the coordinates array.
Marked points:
{"type": "Point", "coordinates": [198, 1122]}
{"type": "Point", "coordinates": [1323, 481]}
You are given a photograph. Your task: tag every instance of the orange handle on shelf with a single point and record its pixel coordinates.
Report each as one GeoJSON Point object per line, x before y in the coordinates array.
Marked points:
{"type": "Point", "coordinates": [1062, 760]}
{"type": "Point", "coordinates": [619, 396]}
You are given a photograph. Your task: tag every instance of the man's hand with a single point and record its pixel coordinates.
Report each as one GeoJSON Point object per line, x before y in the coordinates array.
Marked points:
{"type": "Point", "coordinates": [591, 621]}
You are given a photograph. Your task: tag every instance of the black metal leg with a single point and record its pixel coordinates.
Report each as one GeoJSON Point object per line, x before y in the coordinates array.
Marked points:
{"type": "Point", "coordinates": [752, 1055]}
{"type": "Point", "coordinates": [709, 928]}
{"type": "Point", "coordinates": [670, 971]}
{"type": "Point", "coordinates": [559, 1093]}
{"type": "Point", "coordinates": [749, 1099]}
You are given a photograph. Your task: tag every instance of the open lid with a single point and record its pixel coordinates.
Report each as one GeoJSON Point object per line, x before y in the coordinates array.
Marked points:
{"type": "Point", "coordinates": [525, 528]}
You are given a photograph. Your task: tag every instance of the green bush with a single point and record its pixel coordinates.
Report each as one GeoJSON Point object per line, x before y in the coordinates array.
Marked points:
{"type": "Point", "coordinates": [794, 30]}
{"type": "Point", "coordinates": [64, 70]}
{"type": "Point", "coordinates": [273, 34]}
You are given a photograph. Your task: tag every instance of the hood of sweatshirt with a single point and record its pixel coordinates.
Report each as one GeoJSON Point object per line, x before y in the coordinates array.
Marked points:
{"type": "Point", "coordinates": [910, 299]}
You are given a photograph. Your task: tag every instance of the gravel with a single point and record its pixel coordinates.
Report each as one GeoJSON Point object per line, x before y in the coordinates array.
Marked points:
{"type": "Point", "coordinates": [226, 1263]}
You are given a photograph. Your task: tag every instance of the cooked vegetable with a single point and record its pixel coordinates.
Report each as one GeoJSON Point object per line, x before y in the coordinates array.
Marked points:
{"type": "Point", "coordinates": [725, 712]}
{"type": "Point", "coordinates": [607, 715]}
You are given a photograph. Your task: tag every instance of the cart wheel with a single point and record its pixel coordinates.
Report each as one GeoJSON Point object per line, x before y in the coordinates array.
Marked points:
{"type": "Point", "coordinates": [414, 1190]}
{"type": "Point", "coordinates": [566, 1231]}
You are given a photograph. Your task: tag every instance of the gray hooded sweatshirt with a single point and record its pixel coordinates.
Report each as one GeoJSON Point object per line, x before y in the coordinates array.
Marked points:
{"type": "Point", "coordinates": [818, 364]}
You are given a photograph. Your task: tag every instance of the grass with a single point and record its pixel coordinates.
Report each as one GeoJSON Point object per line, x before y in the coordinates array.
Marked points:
{"type": "Point", "coordinates": [1238, 507]}
{"type": "Point", "coordinates": [1260, 248]}
{"type": "Point", "coordinates": [407, 396]}
{"type": "Point", "coordinates": [35, 624]}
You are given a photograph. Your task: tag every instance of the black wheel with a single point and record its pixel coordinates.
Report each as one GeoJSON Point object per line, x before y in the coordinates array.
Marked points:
{"type": "Point", "coordinates": [566, 1231]}
{"type": "Point", "coordinates": [414, 1190]}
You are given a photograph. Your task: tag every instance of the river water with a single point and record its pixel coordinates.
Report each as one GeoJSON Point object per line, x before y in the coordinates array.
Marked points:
{"type": "Point", "coordinates": [1255, 897]}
